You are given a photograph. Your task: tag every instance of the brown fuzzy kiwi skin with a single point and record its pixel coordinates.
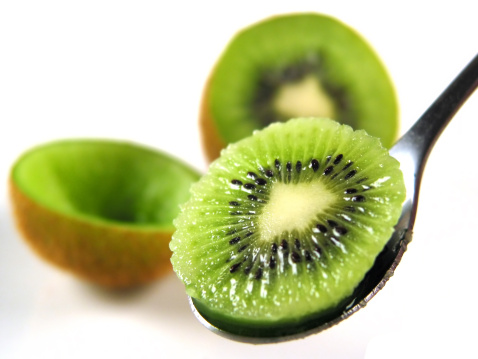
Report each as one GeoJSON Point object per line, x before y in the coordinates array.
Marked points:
{"type": "Point", "coordinates": [110, 255]}
{"type": "Point", "coordinates": [212, 142]}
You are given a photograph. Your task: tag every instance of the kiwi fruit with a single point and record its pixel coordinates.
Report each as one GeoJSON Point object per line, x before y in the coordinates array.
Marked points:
{"type": "Point", "coordinates": [101, 209]}
{"type": "Point", "coordinates": [296, 65]}
{"type": "Point", "coordinates": [285, 224]}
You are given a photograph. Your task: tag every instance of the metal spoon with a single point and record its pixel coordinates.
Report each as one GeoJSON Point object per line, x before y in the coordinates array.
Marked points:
{"type": "Point", "coordinates": [412, 151]}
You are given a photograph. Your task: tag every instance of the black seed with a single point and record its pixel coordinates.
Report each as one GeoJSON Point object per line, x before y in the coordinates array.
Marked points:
{"type": "Point", "coordinates": [362, 180]}
{"type": "Point", "coordinates": [298, 166]}
{"type": "Point", "coordinates": [297, 243]}
{"type": "Point", "coordinates": [249, 234]}
{"type": "Point", "coordinates": [251, 175]}
{"type": "Point", "coordinates": [231, 232]}
{"type": "Point", "coordinates": [277, 164]}
{"type": "Point", "coordinates": [261, 181]}
{"type": "Point", "coordinates": [307, 256]}
{"type": "Point", "coordinates": [347, 166]}
{"type": "Point", "coordinates": [252, 197]}
{"type": "Point", "coordinates": [288, 166]}
{"type": "Point", "coordinates": [350, 191]}
{"type": "Point", "coordinates": [272, 263]}
{"type": "Point", "coordinates": [315, 164]}
{"type": "Point", "coordinates": [331, 223]}
{"type": "Point", "coordinates": [349, 208]}
{"type": "Point", "coordinates": [235, 213]}
{"type": "Point", "coordinates": [242, 248]}
{"type": "Point", "coordinates": [258, 274]}
{"type": "Point", "coordinates": [338, 159]}
{"type": "Point", "coordinates": [269, 173]}
{"type": "Point", "coordinates": [235, 240]}
{"type": "Point", "coordinates": [358, 198]}
{"type": "Point", "coordinates": [318, 250]}
{"type": "Point", "coordinates": [234, 203]}
{"type": "Point", "coordinates": [335, 176]}
{"type": "Point", "coordinates": [235, 267]}
{"type": "Point", "coordinates": [350, 174]}
{"type": "Point", "coordinates": [327, 159]}
{"type": "Point", "coordinates": [247, 270]}
{"type": "Point", "coordinates": [284, 245]}
{"type": "Point", "coordinates": [274, 248]}
{"type": "Point", "coordinates": [290, 74]}
{"type": "Point", "coordinates": [237, 182]}
{"type": "Point", "coordinates": [296, 258]}
{"type": "Point", "coordinates": [321, 228]}
{"type": "Point", "coordinates": [328, 170]}
{"type": "Point", "coordinates": [340, 230]}
{"type": "Point", "coordinates": [249, 186]}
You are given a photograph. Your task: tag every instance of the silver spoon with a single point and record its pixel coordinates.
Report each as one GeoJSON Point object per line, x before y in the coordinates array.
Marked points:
{"type": "Point", "coordinates": [412, 151]}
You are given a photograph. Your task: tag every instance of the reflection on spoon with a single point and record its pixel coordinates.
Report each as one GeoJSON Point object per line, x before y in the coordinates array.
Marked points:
{"type": "Point", "coordinates": [412, 151]}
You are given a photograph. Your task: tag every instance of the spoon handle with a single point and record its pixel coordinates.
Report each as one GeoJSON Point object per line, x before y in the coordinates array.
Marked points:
{"type": "Point", "coordinates": [413, 149]}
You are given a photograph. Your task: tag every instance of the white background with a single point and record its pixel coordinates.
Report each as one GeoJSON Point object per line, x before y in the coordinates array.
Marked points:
{"type": "Point", "coordinates": [135, 70]}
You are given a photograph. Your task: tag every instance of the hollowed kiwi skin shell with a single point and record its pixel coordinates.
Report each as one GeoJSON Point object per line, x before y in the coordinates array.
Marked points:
{"type": "Point", "coordinates": [107, 251]}
{"type": "Point", "coordinates": [213, 141]}
{"type": "Point", "coordinates": [108, 255]}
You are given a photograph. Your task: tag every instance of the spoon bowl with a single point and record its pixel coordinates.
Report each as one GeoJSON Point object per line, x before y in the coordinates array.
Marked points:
{"type": "Point", "coordinates": [412, 151]}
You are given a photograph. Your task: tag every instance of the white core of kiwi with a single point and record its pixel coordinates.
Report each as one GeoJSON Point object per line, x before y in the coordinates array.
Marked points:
{"type": "Point", "coordinates": [306, 97]}
{"type": "Point", "coordinates": [292, 206]}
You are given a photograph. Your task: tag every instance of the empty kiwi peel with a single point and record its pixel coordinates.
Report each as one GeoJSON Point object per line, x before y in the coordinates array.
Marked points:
{"type": "Point", "coordinates": [100, 209]}
{"type": "Point", "coordinates": [285, 225]}
{"type": "Point", "coordinates": [291, 66]}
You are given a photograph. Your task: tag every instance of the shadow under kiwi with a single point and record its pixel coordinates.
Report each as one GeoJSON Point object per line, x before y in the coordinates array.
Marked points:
{"type": "Point", "coordinates": [162, 299]}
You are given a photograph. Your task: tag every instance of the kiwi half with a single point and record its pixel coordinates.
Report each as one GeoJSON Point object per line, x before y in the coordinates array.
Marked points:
{"type": "Point", "coordinates": [102, 209]}
{"type": "Point", "coordinates": [285, 225]}
{"type": "Point", "coordinates": [296, 65]}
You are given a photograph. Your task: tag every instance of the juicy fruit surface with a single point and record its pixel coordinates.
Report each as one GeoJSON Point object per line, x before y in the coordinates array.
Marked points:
{"type": "Point", "coordinates": [278, 68]}
{"type": "Point", "coordinates": [286, 223]}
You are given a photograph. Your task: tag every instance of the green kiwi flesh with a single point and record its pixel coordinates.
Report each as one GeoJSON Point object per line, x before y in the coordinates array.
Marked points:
{"type": "Point", "coordinates": [285, 225]}
{"type": "Point", "coordinates": [102, 209]}
{"type": "Point", "coordinates": [297, 65]}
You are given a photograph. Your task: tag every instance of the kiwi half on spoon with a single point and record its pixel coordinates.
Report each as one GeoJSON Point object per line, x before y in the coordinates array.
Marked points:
{"type": "Point", "coordinates": [101, 209]}
{"type": "Point", "coordinates": [296, 65]}
{"type": "Point", "coordinates": [285, 225]}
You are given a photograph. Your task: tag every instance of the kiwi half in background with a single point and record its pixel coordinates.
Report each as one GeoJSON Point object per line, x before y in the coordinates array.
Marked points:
{"type": "Point", "coordinates": [102, 209]}
{"type": "Point", "coordinates": [292, 66]}
{"type": "Point", "coordinates": [285, 224]}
